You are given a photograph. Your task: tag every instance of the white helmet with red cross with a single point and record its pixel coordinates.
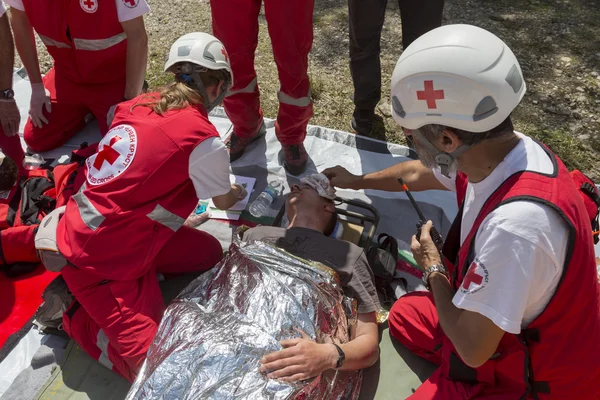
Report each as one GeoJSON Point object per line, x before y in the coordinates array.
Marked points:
{"type": "Point", "coordinates": [459, 76]}
{"type": "Point", "coordinates": [193, 54]}
{"type": "Point", "coordinates": [201, 49]}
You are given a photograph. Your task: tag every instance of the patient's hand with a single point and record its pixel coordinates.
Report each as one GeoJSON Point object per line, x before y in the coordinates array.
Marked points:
{"type": "Point", "coordinates": [299, 360]}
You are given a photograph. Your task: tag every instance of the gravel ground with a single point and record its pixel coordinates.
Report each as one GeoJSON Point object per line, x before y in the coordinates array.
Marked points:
{"type": "Point", "coordinates": [556, 41]}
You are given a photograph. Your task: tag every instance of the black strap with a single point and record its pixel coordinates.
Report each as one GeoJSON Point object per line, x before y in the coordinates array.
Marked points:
{"type": "Point", "coordinates": [2, 258]}
{"type": "Point", "coordinates": [531, 335]}
{"type": "Point", "coordinates": [389, 243]}
{"type": "Point", "coordinates": [461, 372]}
{"type": "Point", "coordinates": [452, 243]}
{"type": "Point", "coordinates": [13, 206]}
{"type": "Point", "coordinates": [590, 191]}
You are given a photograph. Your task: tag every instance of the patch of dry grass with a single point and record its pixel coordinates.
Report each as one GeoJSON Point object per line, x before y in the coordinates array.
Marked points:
{"type": "Point", "coordinates": [556, 41]}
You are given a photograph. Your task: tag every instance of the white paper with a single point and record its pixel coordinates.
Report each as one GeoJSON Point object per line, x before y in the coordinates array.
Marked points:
{"type": "Point", "coordinates": [235, 211]}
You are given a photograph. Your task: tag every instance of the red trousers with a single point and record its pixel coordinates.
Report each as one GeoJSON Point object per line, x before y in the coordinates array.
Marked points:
{"type": "Point", "coordinates": [71, 103]}
{"type": "Point", "coordinates": [115, 321]}
{"type": "Point", "coordinates": [235, 23]}
{"type": "Point", "coordinates": [413, 320]}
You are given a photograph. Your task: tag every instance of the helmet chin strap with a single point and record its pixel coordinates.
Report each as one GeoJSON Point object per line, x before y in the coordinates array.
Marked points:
{"type": "Point", "coordinates": [443, 159]}
{"type": "Point", "coordinates": [194, 81]}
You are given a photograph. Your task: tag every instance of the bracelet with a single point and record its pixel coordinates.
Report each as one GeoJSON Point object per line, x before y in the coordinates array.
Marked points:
{"type": "Point", "coordinates": [434, 268]}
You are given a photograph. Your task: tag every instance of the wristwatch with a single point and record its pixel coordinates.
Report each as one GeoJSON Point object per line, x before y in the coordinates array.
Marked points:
{"type": "Point", "coordinates": [7, 94]}
{"type": "Point", "coordinates": [341, 356]}
{"type": "Point", "coordinates": [434, 268]}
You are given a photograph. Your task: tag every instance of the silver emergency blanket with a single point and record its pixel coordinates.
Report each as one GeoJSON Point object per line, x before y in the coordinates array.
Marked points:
{"type": "Point", "coordinates": [212, 336]}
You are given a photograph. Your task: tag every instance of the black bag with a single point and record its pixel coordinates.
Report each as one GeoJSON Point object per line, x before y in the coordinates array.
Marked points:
{"type": "Point", "coordinates": [383, 259]}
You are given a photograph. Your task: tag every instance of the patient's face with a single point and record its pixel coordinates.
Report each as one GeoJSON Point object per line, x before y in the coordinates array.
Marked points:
{"type": "Point", "coordinates": [305, 197]}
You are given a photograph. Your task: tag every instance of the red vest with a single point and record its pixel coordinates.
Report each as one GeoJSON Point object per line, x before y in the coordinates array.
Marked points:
{"type": "Point", "coordinates": [84, 37]}
{"type": "Point", "coordinates": [137, 193]}
{"type": "Point", "coordinates": [558, 355]}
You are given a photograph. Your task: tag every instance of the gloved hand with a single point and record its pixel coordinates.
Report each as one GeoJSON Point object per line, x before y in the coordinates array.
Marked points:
{"type": "Point", "coordinates": [111, 115]}
{"type": "Point", "coordinates": [9, 117]}
{"type": "Point", "coordinates": [40, 98]}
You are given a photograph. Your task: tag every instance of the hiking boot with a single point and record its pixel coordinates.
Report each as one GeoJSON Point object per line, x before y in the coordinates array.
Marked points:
{"type": "Point", "coordinates": [237, 145]}
{"type": "Point", "coordinates": [295, 157]}
{"type": "Point", "coordinates": [57, 298]}
{"type": "Point", "coordinates": [366, 123]}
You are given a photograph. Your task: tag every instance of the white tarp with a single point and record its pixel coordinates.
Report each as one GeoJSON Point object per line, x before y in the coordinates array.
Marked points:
{"type": "Point", "coordinates": [263, 161]}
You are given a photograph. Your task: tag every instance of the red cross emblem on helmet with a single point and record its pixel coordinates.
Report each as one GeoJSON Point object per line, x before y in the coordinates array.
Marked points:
{"type": "Point", "coordinates": [430, 95]}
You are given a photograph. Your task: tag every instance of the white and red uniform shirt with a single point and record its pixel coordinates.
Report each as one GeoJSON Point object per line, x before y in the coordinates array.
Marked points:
{"type": "Point", "coordinates": [84, 37]}
{"type": "Point", "coordinates": [520, 247]}
{"type": "Point", "coordinates": [126, 9]}
{"type": "Point", "coordinates": [209, 169]}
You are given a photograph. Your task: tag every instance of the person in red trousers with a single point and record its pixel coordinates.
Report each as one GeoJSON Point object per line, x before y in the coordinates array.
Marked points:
{"type": "Point", "coordinates": [235, 23]}
{"type": "Point", "coordinates": [513, 306]}
{"type": "Point", "coordinates": [99, 50]}
{"type": "Point", "coordinates": [126, 224]}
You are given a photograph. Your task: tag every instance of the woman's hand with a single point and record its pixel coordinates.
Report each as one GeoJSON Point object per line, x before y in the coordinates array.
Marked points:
{"type": "Point", "coordinates": [240, 191]}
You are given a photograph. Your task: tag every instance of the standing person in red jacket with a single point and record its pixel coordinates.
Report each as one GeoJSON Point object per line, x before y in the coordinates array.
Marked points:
{"type": "Point", "coordinates": [100, 51]}
{"type": "Point", "coordinates": [235, 23]}
{"type": "Point", "coordinates": [514, 311]}
{"type": "Point", "coordinates": [126, 223]}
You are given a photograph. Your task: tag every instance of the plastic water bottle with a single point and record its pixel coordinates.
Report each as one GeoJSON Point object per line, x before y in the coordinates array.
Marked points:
{"type": "Point", "coordinates": [33, 161]}
{"type": "Point", "coordinates": [261, 206]}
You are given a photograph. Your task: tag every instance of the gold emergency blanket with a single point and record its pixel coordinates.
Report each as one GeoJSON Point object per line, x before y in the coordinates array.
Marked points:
{"type": "Point", "coordinates": [212, 336]}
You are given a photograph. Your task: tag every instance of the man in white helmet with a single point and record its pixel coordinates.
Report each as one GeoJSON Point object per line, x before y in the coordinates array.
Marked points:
{"type": "Point", "coordinates": [517, 282]}
{"type": "Point", "coordinates": [160, 156]}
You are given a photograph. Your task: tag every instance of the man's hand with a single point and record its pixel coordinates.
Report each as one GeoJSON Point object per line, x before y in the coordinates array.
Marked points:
{"type": "Point", "coordinates": [424, 251]}
{"type": "Point", "coordinates": [300, 359]}
{"type": "Point", "coordinates": [40, 99]}
{"type": "Point", "coordinates": [340, 177]}
{"type": "Point", "coordinates": [9, 117]}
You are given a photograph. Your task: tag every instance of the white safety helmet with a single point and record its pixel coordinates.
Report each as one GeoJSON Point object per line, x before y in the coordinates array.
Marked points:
{"type": "Point", "coordinates": [195, 53]}
{"type": "Point", "coordinates": [459, 76]}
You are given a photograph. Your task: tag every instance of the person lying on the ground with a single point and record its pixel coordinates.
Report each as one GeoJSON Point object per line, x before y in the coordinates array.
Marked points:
{"type": "Point", "coordinates": [312, 219]}
{"type": "Point", "coordinates": [265, 320]}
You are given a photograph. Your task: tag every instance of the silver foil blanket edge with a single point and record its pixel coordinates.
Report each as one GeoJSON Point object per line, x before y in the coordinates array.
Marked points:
{"type": "Point", "coordinates": [211, 338]}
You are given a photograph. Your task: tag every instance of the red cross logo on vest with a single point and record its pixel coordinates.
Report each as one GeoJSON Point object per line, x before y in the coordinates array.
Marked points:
{"type": "Point", "coordinates": [430, 95]}
{"type": "Point", "coordinates": [89, 6]}
{"type": "Point", "coordinates": [107, 154]}
{"type": "Point", "coordinates": [131, 3]}
{"type": "Point", "coordinates": [472, 277]}
{"type": "Point", "coordinates": [224, 52]}
{"type": "Point", "coordinates": [116, 152]}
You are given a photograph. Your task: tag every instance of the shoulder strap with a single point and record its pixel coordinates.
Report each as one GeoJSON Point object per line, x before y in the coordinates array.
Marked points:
{"type": "Point", "coordinates": [389, 243]}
